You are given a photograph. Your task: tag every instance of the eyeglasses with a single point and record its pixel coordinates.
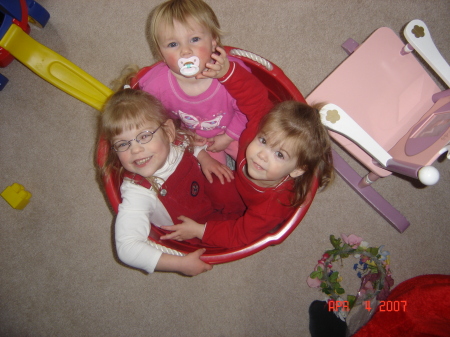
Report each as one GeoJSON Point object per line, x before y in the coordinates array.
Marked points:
{"type": "Point", "coordinates": [143, 138]}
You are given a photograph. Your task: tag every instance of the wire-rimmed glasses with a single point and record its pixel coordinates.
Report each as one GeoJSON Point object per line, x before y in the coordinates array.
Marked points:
{"type": "Point", "coordinates": [142, 138]}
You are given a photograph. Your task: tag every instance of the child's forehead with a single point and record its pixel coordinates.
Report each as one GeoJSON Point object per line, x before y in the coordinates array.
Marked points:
{"type": "Point", "coordinates": [278, 139]}
{"type": "Point", "coordinates": [132, 127]}
{"type": "Point", "coordinates": [172, 25]}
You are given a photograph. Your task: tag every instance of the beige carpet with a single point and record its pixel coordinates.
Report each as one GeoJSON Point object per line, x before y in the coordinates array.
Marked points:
{"type": "Point", "coordinates": [58, 271]}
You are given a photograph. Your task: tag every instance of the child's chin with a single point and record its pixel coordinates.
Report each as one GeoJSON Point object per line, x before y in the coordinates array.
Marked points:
{"type": "Point", "coordinates": [253, 174]}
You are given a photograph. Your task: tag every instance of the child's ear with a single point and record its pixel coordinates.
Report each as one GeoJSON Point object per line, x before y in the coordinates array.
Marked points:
{"type": "Point", "coordinates": [214, 44]}
{"type": "Point", "coordinates": [169, 128]}
{"type": "Point", "coordinates": [296, 173]}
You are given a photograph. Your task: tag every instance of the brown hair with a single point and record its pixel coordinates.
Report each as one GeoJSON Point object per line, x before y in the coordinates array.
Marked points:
{"type": "Point", "coordinates": [299, 124]}
{"type": "Point", "coordinates": [125, 110]}
{"type": "Point", "coordinates": [181, 10]}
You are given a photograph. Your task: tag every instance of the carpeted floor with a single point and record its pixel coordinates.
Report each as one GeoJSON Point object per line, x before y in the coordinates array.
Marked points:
{"type": "Point", "coordinates": [59, 272]}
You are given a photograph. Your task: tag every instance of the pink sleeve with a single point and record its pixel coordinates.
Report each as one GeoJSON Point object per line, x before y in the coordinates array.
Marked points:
{"type": "Point", "coordinates": [237, 125]}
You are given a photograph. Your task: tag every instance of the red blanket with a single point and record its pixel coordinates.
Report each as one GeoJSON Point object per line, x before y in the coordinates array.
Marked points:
{"type": "Point", "coordinates": [423, 309]}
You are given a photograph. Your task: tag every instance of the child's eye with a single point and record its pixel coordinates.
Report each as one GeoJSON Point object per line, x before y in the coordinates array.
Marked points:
{"type": "Point", "coordinates": [279, 155]}
{"type": "Point", "coordinates": [172, 44]}
{"type": "Point", "coordinates": [121, 144]}
{"type": "Point", "coordinates": [262, 140]}
{"type": "Point", "coordinates": [195, 39]}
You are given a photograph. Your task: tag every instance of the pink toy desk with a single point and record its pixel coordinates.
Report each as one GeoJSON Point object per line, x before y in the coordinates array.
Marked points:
{"type": "Point", "coordinates": [387, 92]}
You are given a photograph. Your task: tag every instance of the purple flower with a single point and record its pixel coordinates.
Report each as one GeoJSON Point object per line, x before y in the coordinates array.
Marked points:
{"type": "Point", "coordinates": [384, 293]}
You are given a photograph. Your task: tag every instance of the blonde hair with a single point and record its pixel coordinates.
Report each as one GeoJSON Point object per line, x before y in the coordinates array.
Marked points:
{"type": "Point", "coordinates": [125, 77]}
{"type": "Point", "coordinates": [299, 125]}
{"type": "Point", "coordinates": [125, 110]}
{"type": "Point", "coordinates": [181, 10]}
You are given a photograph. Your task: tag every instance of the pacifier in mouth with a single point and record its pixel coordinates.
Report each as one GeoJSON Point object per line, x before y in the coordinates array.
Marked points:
{"type": "Point", "coordinates": [189, 66]}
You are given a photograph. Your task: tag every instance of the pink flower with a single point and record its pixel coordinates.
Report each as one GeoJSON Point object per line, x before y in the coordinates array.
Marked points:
{"type": "Point", "coordinates": [313, 282]}
{"type": "Point", "coordinates": [352, 240]}
{"type": "Point", "coordinates": [323, 259]}
{"type": "Point", "coordinates": [364, 259]}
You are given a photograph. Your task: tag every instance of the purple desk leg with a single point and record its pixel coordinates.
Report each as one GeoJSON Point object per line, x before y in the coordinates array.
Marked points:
{"type": "Point", "coordinates": [372, 197]}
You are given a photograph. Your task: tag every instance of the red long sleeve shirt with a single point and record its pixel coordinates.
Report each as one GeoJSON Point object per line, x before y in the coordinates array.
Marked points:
{"type": "Point", "coordinates": [266, 207]}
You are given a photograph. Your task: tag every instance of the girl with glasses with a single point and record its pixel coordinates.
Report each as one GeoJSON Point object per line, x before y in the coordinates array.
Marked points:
{"type": "Point", "coordinates": [161, 181]}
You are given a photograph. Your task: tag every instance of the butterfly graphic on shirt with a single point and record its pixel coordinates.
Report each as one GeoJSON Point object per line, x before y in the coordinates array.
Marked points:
{"type": "Point", "coordinates": [193, 122]}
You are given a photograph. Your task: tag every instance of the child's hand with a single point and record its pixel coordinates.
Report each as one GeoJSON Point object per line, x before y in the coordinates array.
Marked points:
{"type": "Point", "coordinates": [217, 69]}
{"type": "Point", "coordinates": [219, 142]}
{"type": "Point", "coordinates": [192, 264]}
{"type": "Point", "coordinates": [199, 140]}
{"type": "Point", "coordinates": [189, 265]}
{"type": "Point", "coordinates": [188, 229]}
{"type": "Point", "coordinates": [209, 165]}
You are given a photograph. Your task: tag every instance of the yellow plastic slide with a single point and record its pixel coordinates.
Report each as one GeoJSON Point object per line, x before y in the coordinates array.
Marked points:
{"type": "Point", "coordinates": [54, 68]}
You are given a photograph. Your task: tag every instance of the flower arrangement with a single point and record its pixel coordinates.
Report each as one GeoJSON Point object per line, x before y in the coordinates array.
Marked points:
{"type": "Point", "coordinates": [373, 269]}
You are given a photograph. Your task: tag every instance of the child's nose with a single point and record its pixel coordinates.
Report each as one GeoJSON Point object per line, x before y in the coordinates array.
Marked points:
{"type": "Point", "coordinates": [262, 155]}
{"type": "Point", "coordinates": [136, 147]}
{"type": "Point", "coordinates": [186, 51]}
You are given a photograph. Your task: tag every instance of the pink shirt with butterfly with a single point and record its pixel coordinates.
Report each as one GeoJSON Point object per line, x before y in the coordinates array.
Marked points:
{"type": "Point", "coordinates": [209, 114]}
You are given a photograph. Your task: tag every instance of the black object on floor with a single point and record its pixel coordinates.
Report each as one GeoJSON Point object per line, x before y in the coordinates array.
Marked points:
{"type": "Point", "coordinates": [324, 323]}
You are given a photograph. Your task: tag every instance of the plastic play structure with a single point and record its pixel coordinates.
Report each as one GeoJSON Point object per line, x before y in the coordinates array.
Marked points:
{"type": "Point", "coordinates": [280, 89]}
{"type": "Point", "coordinates": [18, 13]}
{"type": "Point", "coordinates": [388, 112]}
{"type": "Point", "coordinates": [52, 67]}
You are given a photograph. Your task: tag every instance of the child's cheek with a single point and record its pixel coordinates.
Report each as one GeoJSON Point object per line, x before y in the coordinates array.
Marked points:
{"type": "Point", "coordinates": [208, 53]}
{"type": "Point", "coordinates": [204, 54]}
{"type": "Point", "coordinates": [250, 149]}
{"type": "Point", "coordinates": [172, 62]}
{"type": "Point", "coordinates": [122, 157]}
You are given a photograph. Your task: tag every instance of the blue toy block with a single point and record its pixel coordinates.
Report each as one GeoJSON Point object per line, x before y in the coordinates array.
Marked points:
{"type": "Point", "coordinates": [3, 81]}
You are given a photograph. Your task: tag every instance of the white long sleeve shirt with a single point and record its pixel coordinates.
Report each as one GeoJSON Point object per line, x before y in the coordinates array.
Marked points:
{"type": "Point", "coordinates": [140, 207]}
